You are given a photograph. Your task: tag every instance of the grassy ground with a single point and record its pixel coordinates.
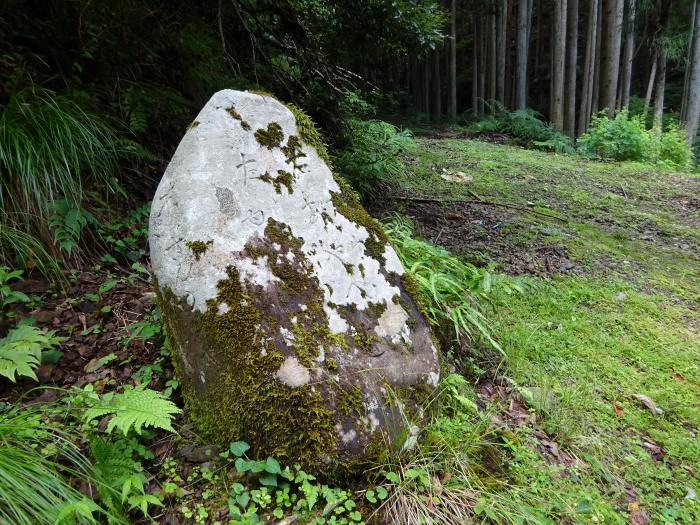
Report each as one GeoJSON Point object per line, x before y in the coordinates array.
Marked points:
{"type": "Point", "coordinates": [597, 400]}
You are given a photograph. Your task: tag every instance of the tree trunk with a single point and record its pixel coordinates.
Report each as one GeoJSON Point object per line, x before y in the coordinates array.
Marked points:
{"type": "Point", "coordinates": [628, 55]}
{"type": "Point", "coordinates": [571, 62]}
{"type": "Point", "coordinates": [482, 64]}
{"type": "Point", "coordinates": [556, 112]}
{"type": "Point", "coordinates": [426, 87]}
{"type": "Point", "coordinates": [693, 104]}
{"type": "Point", "coordinates": [452, 96]}
{"type": "Point", "coordinates": [650, 86]}
{"type": "Point", "coordinates": [475, 67]}
{"type": "Point", "coordinates": [660, 89]}
{"type": "Point", "coordinates": [613, 11]}
{"type": "Point", "coordinates": [501, 39]}
{"type": "Point", "coordinates": [688, 68]}
{"type": "Point", "coordinates": [521, 56]}
{"type": "Point", "coordinates": [492, 57]}
{"type": "Point", "coordinates": [437, 88]}
{"type": "Point", "coordinates": [595, 106]}
{"type": "Point", "coordinates": [588, 68]}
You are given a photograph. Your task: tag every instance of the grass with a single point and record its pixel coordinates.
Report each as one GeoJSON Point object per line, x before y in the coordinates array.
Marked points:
{"type": "Point", "coordinates": [36, 464]}
{"type": "Point", "coordinates": [575, 441]}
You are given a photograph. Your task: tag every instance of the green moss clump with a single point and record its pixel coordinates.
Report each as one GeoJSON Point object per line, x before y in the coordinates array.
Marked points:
{"type": "Point", "coordinates": [309, 134]}
{"type": "Point", "coordinates": [236, 115]}
{"type": "Point", "coordinates": [237, 396]}
{"type": "Point", "coordinates": [199, 248]}
{"type": "Point", "coordinates": [331, 364]}
{"type": "Point", "coordinates": [193, 125]}
{"type": "Point", "coordinates": [271, 137]}
{"type": "Point", "coordinates": [411, 286]}
{"type": "Point", "coordinates": [283, 178]}
{"type": "Point", "coordinates": [292, 151]}
{"type": "Point", "coordinates": [375, 310]}
{"type": "Point", "coordinates": [348, 205]}
{"type": "Point", "coordinates": [361, 267]}
{"type": "Point", "coordinates": [349, 268]}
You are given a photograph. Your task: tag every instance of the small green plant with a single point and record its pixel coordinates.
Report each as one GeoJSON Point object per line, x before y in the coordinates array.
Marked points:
{"type": "Point", "coordinates": [281, 492]}
{"type": "Point", "coordinates": [524, 126]}
{"type": "Point", "coordinates": [9, 296]}
{"type": "Point", "coordinates": [625, 137]}
{"type": "Point", "coordinates": [126, 237]}
{"type": "Point", "coordinates": [67, 221]}
{"type": "Point", "coordinates": [21, 350]}
{"type": "Point", "coordinates": [373, 156]}
{"type": "Point", "coordinates": [133, 408]}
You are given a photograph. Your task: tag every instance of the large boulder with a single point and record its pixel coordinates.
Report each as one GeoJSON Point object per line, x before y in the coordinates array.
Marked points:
{"type": "Point", "coordinates": [287, 310]}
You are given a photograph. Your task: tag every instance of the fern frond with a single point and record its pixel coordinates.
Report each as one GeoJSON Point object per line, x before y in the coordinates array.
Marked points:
{"type": "Point", "coordinates": [135, 408]}
{"type": "Point", "coordinates": [20, 351]}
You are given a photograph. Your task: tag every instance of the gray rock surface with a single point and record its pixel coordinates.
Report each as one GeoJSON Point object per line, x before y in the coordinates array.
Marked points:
{"type": "Point", "coordinates": [280, 295]}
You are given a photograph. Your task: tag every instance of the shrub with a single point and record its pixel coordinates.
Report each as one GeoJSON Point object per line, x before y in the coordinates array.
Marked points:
{"type": "Point", "coordinates": [525, 126]}
{"type": "Point", "coordinates": [619, 138]}
{"type": "Point", "coordinates": [373, 155]}
{"type": "Point", "coordinates": [675, 151]}
{"type": "Point", "coordinates": [50, 150]}
{"type": "Point", "coordinates": [626, 138]}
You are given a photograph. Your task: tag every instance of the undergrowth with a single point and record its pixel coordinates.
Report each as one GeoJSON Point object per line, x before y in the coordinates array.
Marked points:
{"type": "Point", "coordinates": [454, 292]}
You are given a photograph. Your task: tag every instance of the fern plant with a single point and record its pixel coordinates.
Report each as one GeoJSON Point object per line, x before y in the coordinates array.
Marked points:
{"type": "Point", "coordinates": [20, 351]}
{"type": "Point", "coordinates": [134, 408]}
{"type": "Point", "coordinates": [123, 479]}
{"type": "Point", "coordinates": [373, 155]}
{"type": "Point", "coordinates": [67, 222]}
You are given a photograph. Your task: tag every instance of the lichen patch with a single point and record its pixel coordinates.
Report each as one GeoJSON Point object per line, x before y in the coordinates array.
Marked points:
{"type": "Point", "coordinates": [392, 321]}
{"type": "Point", "coordinates": [292, 373]}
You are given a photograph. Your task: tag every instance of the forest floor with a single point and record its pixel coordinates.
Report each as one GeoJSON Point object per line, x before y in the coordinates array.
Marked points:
{"type": "Point", "coordinates": [600, 383]}
{"type": "Point", "coordinates": [591, 416]}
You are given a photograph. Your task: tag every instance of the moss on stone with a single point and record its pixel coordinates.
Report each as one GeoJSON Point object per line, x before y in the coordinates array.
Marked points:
{"type": "Point", "coordinates": [348, 205]}
{"type": "Point", "coordinates": [375, 310]}
{"type": "Point", "coordinates": [293, 152]}
{"type": "Point", "coordinates": [193, 125]}
{"type": "Point", "coordinates": [283, 178]}
{"type": "Point", "coordinates": [361, 267]}
{"type": "Point", "coordinates": [271, 137]}
{"type": "Point", "coordinates": [309, 134]}
{"type": "Point", "coordinates": [198, 248]}
{"type": "Point", "coordinates": [236, 115]}
{"type": "Point", "coordinates": [245, 400]}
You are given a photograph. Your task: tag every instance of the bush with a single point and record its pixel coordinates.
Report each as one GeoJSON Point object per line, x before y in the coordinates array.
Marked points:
{"type": "Point", "coordinates": [619, 138]}
{"type": "Point", "coordinates": [373, 155]}
{"type": "Point", "coordinates": [626, 138]}
{"type": "Point", "coordinates": [525, 126]}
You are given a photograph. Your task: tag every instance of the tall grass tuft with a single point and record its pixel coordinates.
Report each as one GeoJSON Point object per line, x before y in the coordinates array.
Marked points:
{"type": "Point", "coordinates": [453, 291]}
{"type": "Point", "coordinates": [36, 461]}
{"type": "Point", "coordinates": [49, 148]}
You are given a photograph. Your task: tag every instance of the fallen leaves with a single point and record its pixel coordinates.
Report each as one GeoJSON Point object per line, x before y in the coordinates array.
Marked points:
{"type": "Point", "coordinates": [617, 409]}
{"type": "Point", "coordinates": [457, 176]}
